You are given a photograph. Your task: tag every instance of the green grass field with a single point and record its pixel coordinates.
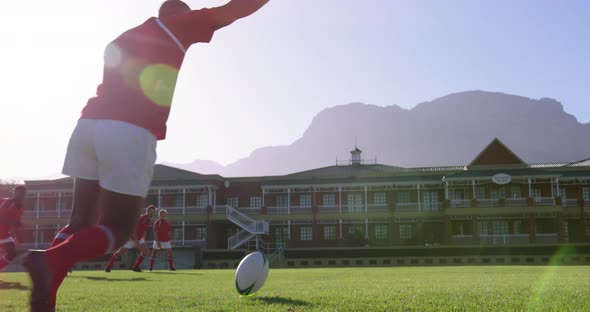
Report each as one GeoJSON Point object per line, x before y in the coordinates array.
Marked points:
{"type": "Point", "coordinates": [477, 288]}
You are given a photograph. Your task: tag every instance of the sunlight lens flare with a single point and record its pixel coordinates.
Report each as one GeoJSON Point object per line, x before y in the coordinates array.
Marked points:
{"type": "Point", "coordinates": [157, 83]}
{"type": "Point", "coordinates": [543, 287]}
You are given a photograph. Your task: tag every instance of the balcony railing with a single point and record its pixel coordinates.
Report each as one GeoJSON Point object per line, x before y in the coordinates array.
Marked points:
{"type": "Point", "coordinates": [546, 238]}
{"type": "Point", "coordinates": [488, 202]}
{"type": "Point", "coordinates": [544, 201]}
{"type": "Point", "coordinates": [570, 202]}
{"type": "Point", "coordinates": [516, 202]}
{"type": "Point", "coordinates": [406, 206]}
{"type": "Point", "coordinates": [503, 239]}
{"type": "Point", "coordinates": [462, 239]}
{"type": "Point", "coordinates": [277, 210]}
{"type": "Point", "coordinates": [328, 208]}
{"type": "Point", "coordinates": [300, 209]}
{"type": "Point", "coordinates": [378, 207]}
{"type": "Point", "coordinates": [461, 203]}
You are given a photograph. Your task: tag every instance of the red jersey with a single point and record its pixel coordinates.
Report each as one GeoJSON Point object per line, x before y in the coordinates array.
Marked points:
{"type": "Point", "coordinates": [163, 228]}
{"type": "Point", "coordinates": [142, 225]}
{"type": "Point", "coordinates": [141, 68]}
{"type": "Point", "coordinates": [10, 215]}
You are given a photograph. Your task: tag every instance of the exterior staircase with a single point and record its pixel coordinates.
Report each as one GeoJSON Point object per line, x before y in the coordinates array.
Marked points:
{"type": "Point", "coordinates": [250, 228]}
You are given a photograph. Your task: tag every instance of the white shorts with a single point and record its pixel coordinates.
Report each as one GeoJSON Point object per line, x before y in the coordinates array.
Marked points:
{"type": "Point", "coordinates": [118, 154]}
{"type": "Point", "coordinates": [165, 245]}
{"type": "Point", "coordinates": [6, 240]}
{"type": "Point", "coordinates": [131, 244]}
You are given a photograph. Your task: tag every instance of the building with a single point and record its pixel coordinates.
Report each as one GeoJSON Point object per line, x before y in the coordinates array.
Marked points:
{"type": "Point", "coordinates": [497, 200]}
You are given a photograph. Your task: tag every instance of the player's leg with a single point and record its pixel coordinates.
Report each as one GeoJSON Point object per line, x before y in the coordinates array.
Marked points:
{"type": "Point", "coordinates": [170, 259]}
{"type": "Point", "coordinates": [85, 212]}
{"type": "Point", "coordinates": [143, 252]}
{"type": "Point", "coordinates": [9, 254]}
{"type": "Point", "coordinates": [116, 257]}
{"type": "Point", "coordinates": [154, 254]}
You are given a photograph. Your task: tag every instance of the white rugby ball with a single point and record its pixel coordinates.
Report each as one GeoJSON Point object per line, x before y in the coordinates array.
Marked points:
{"type": "Point", "coordinates": [251, 273]}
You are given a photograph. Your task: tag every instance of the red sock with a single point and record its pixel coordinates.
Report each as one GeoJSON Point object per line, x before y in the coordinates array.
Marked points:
{"type": "Point", "coordinates": [114, 258]}
{"type": "Point", "coordinates": [138, 261]}
{"type": "Point", "coordinates": [152, 259]}
{"type": "Point", "coordinates": [3, 262]}
{"type": "Point", "coordinates": [62, 235]}
{"type": "Point", "coordinates": [86, 244]}
{"type": "Point", "coordinates": [171, 262]}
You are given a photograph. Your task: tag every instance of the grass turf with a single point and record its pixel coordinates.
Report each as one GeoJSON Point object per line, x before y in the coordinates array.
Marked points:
{"type": "Point", "coordinates": [475, 288]}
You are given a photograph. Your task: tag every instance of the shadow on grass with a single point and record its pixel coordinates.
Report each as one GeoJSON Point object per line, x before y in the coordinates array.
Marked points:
{"type": "Point", "coordinates": [284, 301]}
{"type": "Point", "coordinates": [110, 279]}
{"type": "Point", "coordinates": [10, 285]}
{"type": "Point", "coordinates": [173, 273]}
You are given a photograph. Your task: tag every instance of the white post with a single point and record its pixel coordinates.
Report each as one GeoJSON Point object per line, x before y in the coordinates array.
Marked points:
{"type": "Point", "coordinates": [183, 201]}
{"type": "Point", "coordinates": [446, 190]}
{"type": "Point", "coordinates": [473, 187]}
{"type": "Point", "coordinates": [38, 204]}
{"type": "Point", "coordinates": [418, 187]}
{"type": "Point", "coordinates": [366, 211]}
{"type": "Point", "coordinates": [183, 233]}
{"type": "Point", "coordinates": [159, 202]}
{"type": "Point", "coordinates": [530, 189]}
{"type": "Point", "coordinates": [288, 201]}
{"type": "Point", "coordinates": [58, 204]}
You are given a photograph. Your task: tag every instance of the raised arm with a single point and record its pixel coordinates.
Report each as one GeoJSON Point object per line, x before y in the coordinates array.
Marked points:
{"type": "Point", "coordinates": [234, 10]}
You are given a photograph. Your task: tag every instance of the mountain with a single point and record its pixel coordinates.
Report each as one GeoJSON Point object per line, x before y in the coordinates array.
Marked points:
{"type": "Point", "coordinates": [450, 130]}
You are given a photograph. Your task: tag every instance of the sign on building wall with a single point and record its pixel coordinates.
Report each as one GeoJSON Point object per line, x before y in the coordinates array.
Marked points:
{"type": "Point", "coordinates": [501, 178]}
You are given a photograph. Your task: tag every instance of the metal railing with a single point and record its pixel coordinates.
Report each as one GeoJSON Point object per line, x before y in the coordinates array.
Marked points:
{"type": "Point", "coordinates": [544, 201]}
{"type": "Point", "coordinates": [277, 210]}
{"type": "Point", "coordinates": [460, 203]}
{"type": "Point", "coordinates": [570, 202]}
{"type": "Point", "coordinates": [516, 202]}
{"type": "Point", "coordinates": [503, 239]}
{"type": "Point", "coordinates": [488, 202]}
{"type": "Point", "coordinates": [247, 223]}
{"type": "Point", "coordinates": [238, 239]}
{"type": "Point", "coordinates": [406, 206]}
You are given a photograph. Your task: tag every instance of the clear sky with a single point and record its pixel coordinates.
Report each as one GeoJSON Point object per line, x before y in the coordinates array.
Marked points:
{"type": "Point", "coordinates": [262, 80]}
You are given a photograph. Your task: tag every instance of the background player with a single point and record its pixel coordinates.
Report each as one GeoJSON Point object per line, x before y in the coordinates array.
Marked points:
{"type": "Point", "coordinates": [11, 211]}
{"type": "Point", "coordinates": [137, 240]}
{"type": "Point", "coordinates": [162, 239]}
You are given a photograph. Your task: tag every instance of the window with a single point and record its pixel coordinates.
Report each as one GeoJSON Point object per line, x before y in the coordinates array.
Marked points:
{"type": "Point", "coordinates": [517, 225]}
{"type": "Point", "coordinates": [179, 200]}
{"type": "Point", "coordinates": [203, 201]}
{"type": "Point", "coordinates": [586, 193]}
{"type": "Point", "coordinates": [536, 194]}
{"type": "Point", "coordinates": [329, 200]}
{"type": "Point", "coordinates": [356, 230]}
{"type": "Point", "coordinates": [480, 192]}
{"type": "Point", "coordinates": [355, 202]}
{"type": "Point", "coordinates": [380, 199]}
{"type": "Point", "coordinates": [305, 200]}
{"type": "Point", "coordinates": [493, 227]}
{"type": "Point", "coordinates": [177, 234]}
{"type": "Point", "coordinates": [405, 231]}
{"type": "Point", "coordinates": [381, 231]}
{"type": "Point", "coordinates": [232, 201]}
{"type": "Point", "coordinates": [306, 234]}
{"type": "Point", "coordinates": [430, 200]}
{"type": "Point", "coordinates": [281, 235]}
{"type": "Point", "coordinates": [255, 201]}
{"type": "Point", "coordinates": [498, 193]}
{"type": "Point", "coordinates": [201, 233]}
{"type": "Point", "coordinates": [282, 201]}
{"type": "Point", "coordinates": [515, 190]}
{"type": "Point", "coordinates": [403, 197]}
{"type": "Point", "coordinates": [329, 232]}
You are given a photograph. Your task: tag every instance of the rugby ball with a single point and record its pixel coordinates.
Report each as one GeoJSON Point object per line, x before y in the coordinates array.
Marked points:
{"type": "Point", "coordinates": [251, 273]}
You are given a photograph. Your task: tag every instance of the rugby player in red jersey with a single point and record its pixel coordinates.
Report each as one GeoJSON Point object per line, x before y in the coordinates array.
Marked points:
{"type": "Point", "coordinates": [11, 211]}
{"type": "Point", "coordinates": [112, 149]}
{"type": "Point", "coordinates": [137, 240]}
{"type": "Point", "coordinates": [162, 239]}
